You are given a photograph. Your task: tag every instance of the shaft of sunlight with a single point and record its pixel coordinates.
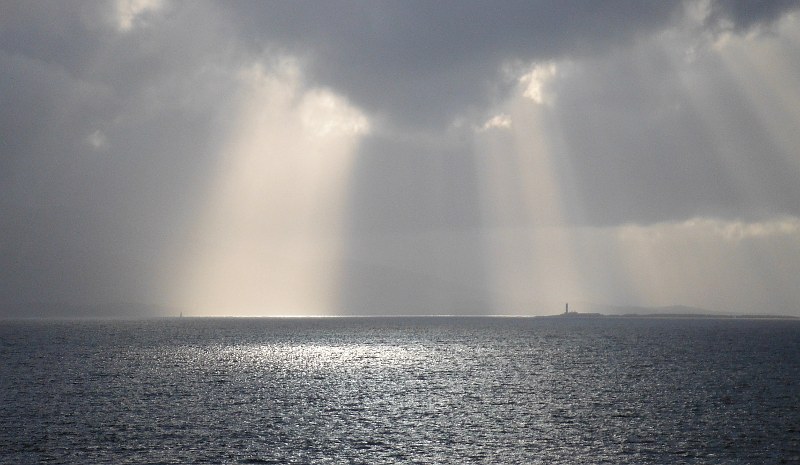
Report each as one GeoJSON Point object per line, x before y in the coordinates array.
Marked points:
{"type": "Point", "coordinates": [270, 237]}
{"type": "Point", "coordinates": [532, 262]}
{"type": "Point", "coordinates": [766, 71]}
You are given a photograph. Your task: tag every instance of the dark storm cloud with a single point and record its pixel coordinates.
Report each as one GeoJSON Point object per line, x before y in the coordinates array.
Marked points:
{"type": "Point", "coordinates": [744, 14]}
{"type": "Point", "coordinates": [420, 62]}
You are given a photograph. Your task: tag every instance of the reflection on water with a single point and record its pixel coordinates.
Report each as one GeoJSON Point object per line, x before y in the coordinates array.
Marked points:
{"type": "Point", "coordinates": [437, 390]}
{"type": "Point", "coordinates": [328, 358]}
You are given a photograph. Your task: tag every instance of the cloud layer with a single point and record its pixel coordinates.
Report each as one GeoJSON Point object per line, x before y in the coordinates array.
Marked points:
{"type": "Point", "coordinates": [495, 156]}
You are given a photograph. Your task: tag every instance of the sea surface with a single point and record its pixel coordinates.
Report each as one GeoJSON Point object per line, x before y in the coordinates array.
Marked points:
{"type": "Point", "coordinates": [401, 390]}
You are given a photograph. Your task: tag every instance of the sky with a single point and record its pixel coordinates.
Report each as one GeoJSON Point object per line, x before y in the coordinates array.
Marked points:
{"type": "Point", "coordinates": [399, 157]}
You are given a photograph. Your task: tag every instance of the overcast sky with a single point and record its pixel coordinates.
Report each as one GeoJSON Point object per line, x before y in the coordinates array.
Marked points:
{"type": "Point", "coordinates": [408, 157]}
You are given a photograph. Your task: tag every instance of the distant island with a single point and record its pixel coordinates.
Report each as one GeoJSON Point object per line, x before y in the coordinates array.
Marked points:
{"type": "Point", "coordinates": [677, 311]}
{"type": "Point", "coordinates": [671, 315]}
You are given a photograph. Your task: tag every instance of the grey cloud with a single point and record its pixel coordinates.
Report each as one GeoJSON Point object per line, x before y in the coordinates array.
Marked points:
{"type": "Point", "coordinates": [640, 146]}
{"type": "Point", "coordinates": [414, 244]}
{"type": "Point", "coordinates": [67, 34]}
{"type": "Point", "coordinates": [744, 14]}
{"type": "Point", "coordinates": [409, 186]}
{"type": "Point", "coordinates": [421, 62]}
{"type": "Point", "coordinates": [92, 224]}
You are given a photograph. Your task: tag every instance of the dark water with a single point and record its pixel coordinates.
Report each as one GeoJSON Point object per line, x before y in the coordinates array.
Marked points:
{"type": "Point", "coordinates": [413, 390]}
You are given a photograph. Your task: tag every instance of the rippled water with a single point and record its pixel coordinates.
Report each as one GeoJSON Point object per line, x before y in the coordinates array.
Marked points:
{"type": "Point", "coordinates": [401, 390]}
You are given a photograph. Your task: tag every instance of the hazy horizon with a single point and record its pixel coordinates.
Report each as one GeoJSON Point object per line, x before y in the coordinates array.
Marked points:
{"type": "Point", "coordinates": [126, 311]}
{"type": "Point", "coordinates": [387, 158]}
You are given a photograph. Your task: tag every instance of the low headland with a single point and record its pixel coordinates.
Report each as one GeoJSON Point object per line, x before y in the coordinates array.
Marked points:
{"type": "Point", "coordinates": [676, 311]}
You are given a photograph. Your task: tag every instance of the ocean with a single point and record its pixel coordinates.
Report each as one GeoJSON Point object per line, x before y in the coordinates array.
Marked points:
{"type": "Point", "coordinates": [401, 390]}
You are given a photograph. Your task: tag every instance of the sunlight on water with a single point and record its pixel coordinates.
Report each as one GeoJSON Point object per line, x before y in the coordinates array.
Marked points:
{"type": "Point", "coordinates": [329, 358]}
{"type": "Point", "coordinates": [406, 390]}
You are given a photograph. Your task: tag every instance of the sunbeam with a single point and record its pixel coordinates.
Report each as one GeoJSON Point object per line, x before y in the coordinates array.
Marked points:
{"type": "Point", "coordinates": [269, 240]}
{"type": "Point", "coordinates": [533, 264]}
{"type": "Point", "coordinates": [543, 249]}
{"type": "Point", "coordinates": [730, 264]}
{"type": "Point", "coordinates": [765, 70]}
